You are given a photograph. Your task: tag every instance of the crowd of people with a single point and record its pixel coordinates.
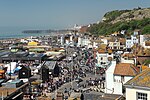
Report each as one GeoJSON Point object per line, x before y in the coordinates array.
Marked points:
{"type": "Point", "coordinates": [73, 72]}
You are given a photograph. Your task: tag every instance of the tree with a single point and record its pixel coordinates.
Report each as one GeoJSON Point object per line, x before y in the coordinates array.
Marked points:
{"type": "Point", "coordinates": [146, 30]}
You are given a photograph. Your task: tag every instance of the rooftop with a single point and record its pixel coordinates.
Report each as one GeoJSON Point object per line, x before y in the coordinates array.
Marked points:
{"type": "Point", "coordinates": [6, 91]}
{"type": "Point", "coordinates": [50, 64]}
{"type": "Point", "coordinates": [126, 69]}
{"type": "Point", "coordinates": [129, 55]}
{"type": "Point", "coordinates": [100, 96]}
{"type": "Point", "coordinates": [147, 43]}
{"type": "Point", "coordinates": [142, 79]}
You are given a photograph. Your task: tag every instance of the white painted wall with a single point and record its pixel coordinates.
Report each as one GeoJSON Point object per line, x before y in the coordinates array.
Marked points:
{"type": "Point", "coordinates": [134, 39]}
{"type": "Point", "coordinates": [105, 41]}
{"type": "Point", "coordinates": [62, 40]}
{"type": "Point", "coordinates": [145, 46]}
{"type": "Point", "coordinates": [67, 42]}
{"type": "Point", "coordinates": [112, 45]}
{"type": "Point", "coordinates": [79, 41]}
{"type": "Point", "coordinates": [141, 39]}
{"type": "Point", "coordinates": [131, 42]}
{"type": "Point", "coordinates": [131, 93]}
{"type": "Point", "coordinates": [71, 38]}
{"type": "Point", "coordinates": [104, 57]}
{"type": "Point", "coordinates": [95, 45]}
{"type": "Point", "coordinates": [118, 83]}
{"type": "Point", "coordinates": [127, 61]}
{"type": "Point", "coordinates": [127, 78]}
{"type": "Point", "coordinates": [110, 78]}
{"type": "Point", "coordinates": [85, 42]}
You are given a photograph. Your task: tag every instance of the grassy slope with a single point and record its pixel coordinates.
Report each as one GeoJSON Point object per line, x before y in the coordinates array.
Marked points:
{"type": "Point", "coordinates": [106, 27]}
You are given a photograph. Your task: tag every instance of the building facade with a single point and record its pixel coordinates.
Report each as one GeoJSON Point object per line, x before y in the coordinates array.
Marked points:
{"type": "Point", "coordinates": [138, 88]}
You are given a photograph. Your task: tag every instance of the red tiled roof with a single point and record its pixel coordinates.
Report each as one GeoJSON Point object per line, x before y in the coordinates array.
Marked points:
{"type": "Point", "coordinates": [129, 55]}
{"type": "Point", "coordinates": [126, 69]}
{"type": "Point", "coordinates": [147, 43]}
{"type": "Point", "coordinates": [101, 51]}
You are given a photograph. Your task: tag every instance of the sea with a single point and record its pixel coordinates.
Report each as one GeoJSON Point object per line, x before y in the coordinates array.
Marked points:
{"type": "Point", "coordinates": [15, 32]}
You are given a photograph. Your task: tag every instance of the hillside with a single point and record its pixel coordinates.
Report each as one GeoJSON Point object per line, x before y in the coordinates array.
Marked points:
{"type": "Point", "coordinates": [123, 20]}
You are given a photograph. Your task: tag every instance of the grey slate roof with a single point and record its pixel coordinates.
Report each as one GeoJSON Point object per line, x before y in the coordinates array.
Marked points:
{"type": "Point", "coordinates": [50, 64]}
{"type": "Point", "coordinates": [100, 96]}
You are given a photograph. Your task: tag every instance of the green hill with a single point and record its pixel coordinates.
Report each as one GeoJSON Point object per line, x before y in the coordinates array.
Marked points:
{"type": "Point", "coordinates": [123, 20]}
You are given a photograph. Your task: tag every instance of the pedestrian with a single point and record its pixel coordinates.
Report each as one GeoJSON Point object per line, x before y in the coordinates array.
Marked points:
{"type": "Point", "coordinates": [82, 96]}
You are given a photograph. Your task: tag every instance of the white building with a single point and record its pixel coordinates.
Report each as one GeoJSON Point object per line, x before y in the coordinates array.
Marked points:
{"type": "Point", "coordinates": [123, 32]}
{"type": "Point", "coordinates": [110, 77]}
{"type": "Point", "coordinates": [128, 58]}
{"type": "Point", "coordinates": [119, 75]}
{"type": "Point", "coordinates": [30, 39]}
{"type": "Point", "coordinates": [62, 40]}
{"type": "Point", "coordinates": [138, 88]}
{"type": "Point", "coordinates": [95, 43]}
{"type": "Point", "coordinates": [83, 41]}
{"type": "Point", "coordinates": [103, 58]}
{"type": "Point", "coordinates": [79, 42]}
{"type": "Point", "coordinates": [116, 45]}
{"type": "Point", "coordinates": [76, 27]}
{"type": "Point", "coordinates": [144, 39]}
{"type": "Point", "coordinates": [123, 73]}
{"type": "Point", "coordinates": [105, 41]}
{"type": "Point", "coordinates": [23, 41]}
{"type": "Point", "coordinates": [131, 41]}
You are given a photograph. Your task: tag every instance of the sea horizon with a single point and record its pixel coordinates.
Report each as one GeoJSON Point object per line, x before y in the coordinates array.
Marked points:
{"type": "Point", "coordinates": [17, 32]}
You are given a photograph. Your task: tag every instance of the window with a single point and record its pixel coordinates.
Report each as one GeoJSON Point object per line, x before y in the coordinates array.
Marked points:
{"type": "Point", "coordinates": [23, 73]}
{"type": "Point", "coordinates": [121, 47]}
{"type": "Point", "coordinates": [141, 96]}
{"type": "Point", "coordinates": [115, 47]}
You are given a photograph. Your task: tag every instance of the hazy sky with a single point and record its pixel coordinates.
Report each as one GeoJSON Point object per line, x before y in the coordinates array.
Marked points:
{"type": "Point", "coordinates": [58, 14]}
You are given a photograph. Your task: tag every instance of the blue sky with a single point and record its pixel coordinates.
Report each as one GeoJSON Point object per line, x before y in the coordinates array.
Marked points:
{"type": "Point", "coordinates": [58, 14]}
